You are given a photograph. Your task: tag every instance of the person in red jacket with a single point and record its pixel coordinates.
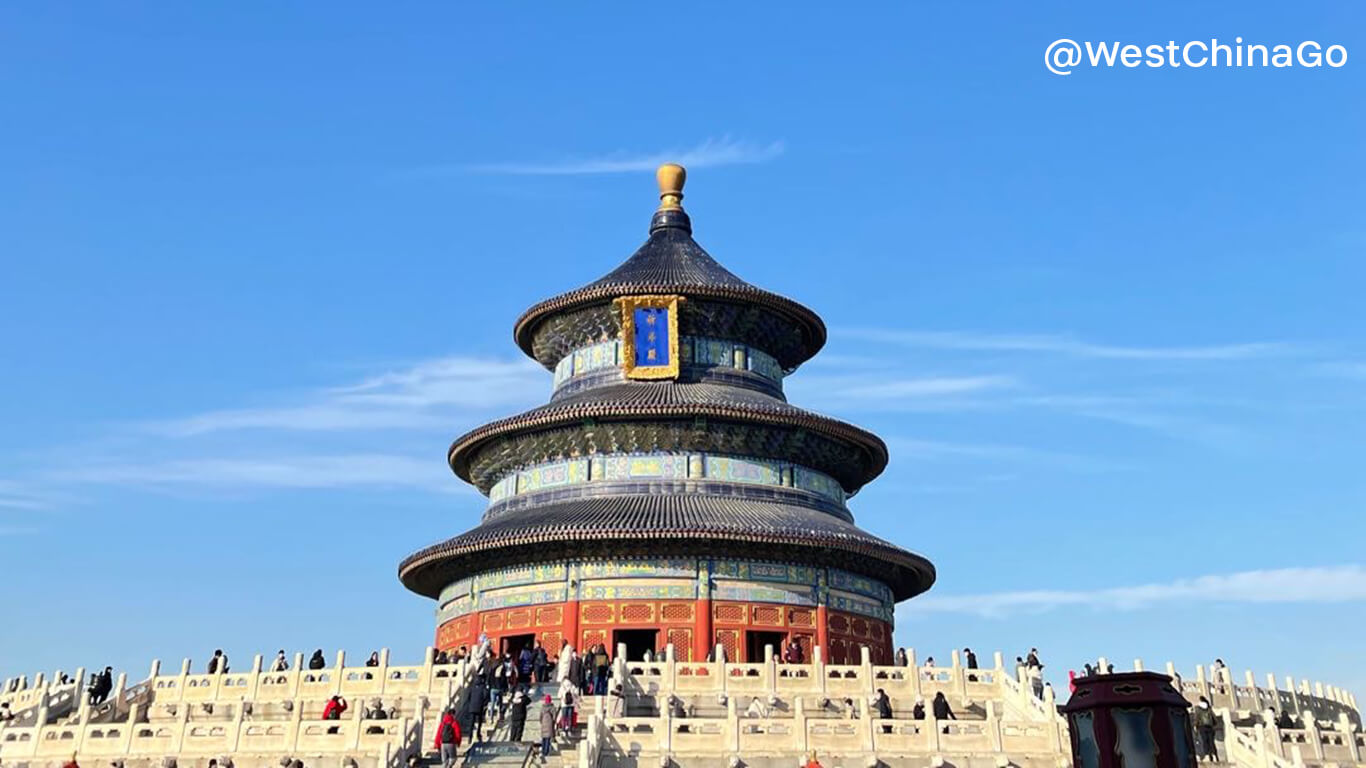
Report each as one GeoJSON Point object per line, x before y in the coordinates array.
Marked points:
{"type": "Point", "coordinates": [336, 707]}
{"type": "Point", "coordinates": [448, 738]}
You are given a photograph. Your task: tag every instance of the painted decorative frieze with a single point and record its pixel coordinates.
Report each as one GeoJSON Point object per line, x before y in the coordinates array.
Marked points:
{"type": "Point", "coordinates": [664, 466]}
{"type": "Point", "coordinates": [691, 351]}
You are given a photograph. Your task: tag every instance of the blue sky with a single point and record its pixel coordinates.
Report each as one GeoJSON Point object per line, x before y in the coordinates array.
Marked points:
{"type": "Point", "coordinates": [259, 264]}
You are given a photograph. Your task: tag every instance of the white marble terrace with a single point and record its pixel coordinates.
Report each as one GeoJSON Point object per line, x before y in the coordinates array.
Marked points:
{"type": "Point", "coordinates": [759, 713]}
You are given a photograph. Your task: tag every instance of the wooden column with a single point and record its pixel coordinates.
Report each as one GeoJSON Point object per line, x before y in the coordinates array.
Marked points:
{"type": "Point", "coordinates": [823, 631]}
{"type": "Point", "coordinates": [702, 640]}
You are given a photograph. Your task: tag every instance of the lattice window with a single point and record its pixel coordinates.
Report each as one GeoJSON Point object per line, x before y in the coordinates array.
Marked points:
{"type": "Point", "coordinates": [592, 637]}
{"type": "Point", "coordinates": [549, 615]}
{"type": "Point", "coordinates": [838, 653]}
{"type": "Point", "coordinates": [682, 641]}
{"type": "Point", "coordinates": [551, 642]}
{"type": "Point", "coordinates": [735, 614]}
{"type": "Point", "coordinates": [801, 618]}
{"type": "Point", "coordinates": [839, 624]}
{"type": "Point", "coordinates": [518, 619]}
{"type": "Point", "coordinates": [448, 635]}
{"type": "Point", "coordinates": [677, 612]}
{"type": "Point", "coordinates": [860, 627]}
{"type": "Point", "coordinates": [596, 614]}
{"type": "Point", "coordinates": [767, 614]}
{"type": "Point", "coordinates": [493, 622]}
{"type": "Point", "coordinates": [730, 640]}
{"type": "Point", "coordinates": [637, 613]}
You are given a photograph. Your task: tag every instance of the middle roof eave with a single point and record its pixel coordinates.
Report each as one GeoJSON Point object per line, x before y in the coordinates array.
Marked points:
{"type": "Point", "coordinates": [636, 401]}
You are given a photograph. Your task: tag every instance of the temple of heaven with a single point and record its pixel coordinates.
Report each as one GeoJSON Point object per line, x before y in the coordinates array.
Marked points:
{"type": "Point", "coordinates": [668, 493]}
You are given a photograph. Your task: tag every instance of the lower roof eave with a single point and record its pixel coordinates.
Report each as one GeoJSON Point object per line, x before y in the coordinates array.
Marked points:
{"type": "Point", "coordinates": [429, 571]}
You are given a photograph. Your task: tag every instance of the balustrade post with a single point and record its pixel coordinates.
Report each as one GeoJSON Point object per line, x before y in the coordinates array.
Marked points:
{"type": "Point", "coordinates": [182, 714]}
{"type": "Point", "coordinates": [1251, 681]}
{"type": "Point", "coordinates": [933, 723]}
{"type": "Point", "coordinates": [427, 674]}
{"type": "Point", "coordinates": [1348, 736]}
{"type": "Point", "coordinates": [1138, 665]}
{"type": "Point", "coordinates": [994, 728]}
{"type": "Point", "coordinates": [383, 670]}
{"type": "Point", "coordinates": [1311, 734]}
{"type": "Point", "coordinates": [799, 721]}
{"type": "Point", "coordinates": [913, 668]}
{"type": "Point", "coordinates": [129, 725]}
{"type": "Point", "coordinates": [1294, 695]}
{"type": "Point", "coordinates": [866, 671]}
{"type": "Point", "coordinates": [254, 679]}
{"type": "Point", "coordinates": [666, 718]}
{"type": "Point", "coordinates": [295, 727]}
{"type": "Point", "coordinates": [1202, 682]}
{"type": "Point", "coordinates": [339, 673]}
{"type": "Point", "coordinates": [82, 698]}
{"type": "Point", "coordinates": [235, 738]}
{"type": "Point", "coordinates": [770, 670]}
{"type": "Point", "coordinates": [818, 667]}
{"type": "Point", "coordinates": [960, 680]}
{"type": "Point", "coordinates": [182, 679]}
{"type": "Point", "coordinates": [868, 726]}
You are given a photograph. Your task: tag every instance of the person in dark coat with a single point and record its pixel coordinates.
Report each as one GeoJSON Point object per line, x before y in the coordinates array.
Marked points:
{"type": "Point", "coordinates": [472, 717]}
{"type": "Point", "coordinates": [517, 716]}
{"type": "Point", "coordinates": [316, 661]}
{"type": "Point", "coordinates": [541, 662]}
{"type": "Point", "coordinates": [526, 663]}
{"type": "Point", "coordinates": [101, 685]}
{"type": "Point", "coordinates": [576, 670]}
{"type": "Point", "coordinates": [1203, 717]}
{"type": "Point", "coordinates": [940, 705]}
{"type": "Point", "coordinates": [547, 726]}
{"type": "Point", "coordinates": [971, 662]}
{"type": "Point", "coordinates": [884, 709]}
{"type": "Point", "coordinates": [918, 711]}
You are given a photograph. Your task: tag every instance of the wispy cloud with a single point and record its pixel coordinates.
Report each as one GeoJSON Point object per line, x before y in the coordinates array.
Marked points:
{"type": "Point", "coordinates": [710, 153]}
{"type": "Point", "coordinates": [1065, 345]}
{"type": "Point", "coordinates": [20, 497]}
{"type": "Point", "coordinates": [308, 472]}
{"type": "Point", "coordinates": [1333, 584]}
{"type": "Point", "coordinates": [412, 398]}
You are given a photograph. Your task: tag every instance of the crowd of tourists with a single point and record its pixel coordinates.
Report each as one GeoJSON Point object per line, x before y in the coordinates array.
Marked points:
{"type": "Point", "coordinates": [507, 688]}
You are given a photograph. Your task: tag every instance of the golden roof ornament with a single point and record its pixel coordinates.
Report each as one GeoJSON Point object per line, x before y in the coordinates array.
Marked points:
{"type": "Point", "coordinates": [671, 178]}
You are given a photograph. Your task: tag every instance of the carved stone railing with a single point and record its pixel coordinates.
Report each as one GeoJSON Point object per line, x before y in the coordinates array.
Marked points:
{"type": "Point", "coordinates": [251, 713]}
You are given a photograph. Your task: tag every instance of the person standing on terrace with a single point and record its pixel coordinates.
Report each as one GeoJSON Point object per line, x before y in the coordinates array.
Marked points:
{"type": "Point", "coordinates": [448, 738]}
{"type": "Point", "coordinates": [335, 708]}
{"type": "Point", "coordinates": [218, 665]}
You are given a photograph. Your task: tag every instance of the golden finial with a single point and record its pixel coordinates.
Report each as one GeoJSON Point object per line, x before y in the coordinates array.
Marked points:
{"type": "Point", "coordinates": [671, 178]}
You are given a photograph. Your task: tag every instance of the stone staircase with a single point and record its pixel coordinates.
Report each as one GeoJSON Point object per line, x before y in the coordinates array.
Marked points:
{"type": "Point", "coordinates": [497, 749]}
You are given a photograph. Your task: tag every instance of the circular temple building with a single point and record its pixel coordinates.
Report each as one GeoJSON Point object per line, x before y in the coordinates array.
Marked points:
{"type": "Point", "coordinates": [668, 493]}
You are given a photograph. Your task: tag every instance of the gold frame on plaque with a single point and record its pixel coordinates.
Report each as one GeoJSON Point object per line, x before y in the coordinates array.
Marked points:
{"type": "Point", "coordinates": [628, 306]}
